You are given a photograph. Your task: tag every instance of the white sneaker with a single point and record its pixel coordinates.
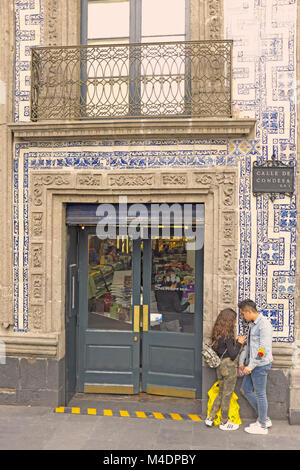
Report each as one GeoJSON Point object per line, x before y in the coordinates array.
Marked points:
{"type": "Point", "coordinates": [256, 428]}
{"type": "Point", "coordinates": [229, 426]}
{"type": "Point", "coordinates": [209, 421]}
{"type": "Point", "coordinates": [268, 423]}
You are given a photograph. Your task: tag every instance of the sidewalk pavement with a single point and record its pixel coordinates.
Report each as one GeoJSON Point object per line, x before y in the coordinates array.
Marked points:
{"type": "Point", "coordinates": [41, 428]}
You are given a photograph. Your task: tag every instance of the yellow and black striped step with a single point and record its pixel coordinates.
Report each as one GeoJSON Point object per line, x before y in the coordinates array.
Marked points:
{"type": "Point", "coordinates": [128, 414]}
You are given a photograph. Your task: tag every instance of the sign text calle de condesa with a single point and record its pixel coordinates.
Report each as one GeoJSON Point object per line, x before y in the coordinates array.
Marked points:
{"type": "Point", "coordinates": [273, 177]}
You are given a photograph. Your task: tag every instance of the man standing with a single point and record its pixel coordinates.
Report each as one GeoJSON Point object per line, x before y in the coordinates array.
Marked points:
{"type": "Point", "coordinates": [256, 361]}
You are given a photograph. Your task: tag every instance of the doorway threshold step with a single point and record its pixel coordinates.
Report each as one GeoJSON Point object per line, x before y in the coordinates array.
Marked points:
{"type": "Point", "coordinates": [142, 401]}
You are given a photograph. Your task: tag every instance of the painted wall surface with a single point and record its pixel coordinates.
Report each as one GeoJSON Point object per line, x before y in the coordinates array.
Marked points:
{"type": "Point", "coordinates": [264, 87]}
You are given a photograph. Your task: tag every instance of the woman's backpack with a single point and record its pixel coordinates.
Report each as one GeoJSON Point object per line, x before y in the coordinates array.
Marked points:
{"type": "Point", "coordinates": [210, 356]}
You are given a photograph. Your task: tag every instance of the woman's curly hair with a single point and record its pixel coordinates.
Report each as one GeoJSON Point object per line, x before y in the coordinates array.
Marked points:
{"type": "Point", "coordinates": [224, 326]}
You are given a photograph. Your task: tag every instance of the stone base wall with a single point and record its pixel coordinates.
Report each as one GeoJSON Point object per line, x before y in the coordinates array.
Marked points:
{"type": "Point", "coordinates": [41, 382]}
{"type": "Point", "coordinates": [32, 381]}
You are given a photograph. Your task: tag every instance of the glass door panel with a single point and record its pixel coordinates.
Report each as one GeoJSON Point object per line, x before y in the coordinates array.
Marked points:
{"type": "Point", "coordinates": [109, 331]}
{"type": "Point", "coordinates": [109, 284]}
{"type": "Point", "coordinates": [172, 286]}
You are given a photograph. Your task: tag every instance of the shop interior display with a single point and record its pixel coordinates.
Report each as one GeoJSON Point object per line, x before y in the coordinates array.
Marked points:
{"type": "Point", "coordinates": [110, 284]}
{"type": "Point", "coordinates": [173, 284]}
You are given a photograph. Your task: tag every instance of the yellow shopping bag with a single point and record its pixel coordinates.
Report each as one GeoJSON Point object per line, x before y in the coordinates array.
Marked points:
{"type": "Point", "coordinates": [234, 407]}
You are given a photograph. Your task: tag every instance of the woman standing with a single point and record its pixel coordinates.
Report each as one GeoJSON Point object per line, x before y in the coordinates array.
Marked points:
{"type": "Point", "coordinates": [227, 348]}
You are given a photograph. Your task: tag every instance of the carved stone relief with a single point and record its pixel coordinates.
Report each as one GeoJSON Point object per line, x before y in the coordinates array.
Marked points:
{"type": "Point", "coordinates": [61, 22]}
{"type": "Point", "coordinates": [214, 19]}
{"type": "Point", "coordinates": [6, 306]}
{"type": "Point", "coordinates": [227, 261]}
{"type": "Point", "coordinates": [131, 180]}
{"type": "Point", "coordinates": [88, 180]}
{"type": "Point", "coordinates": [222, 184]}
{"type": "Point", "coordinates": [37, 224]}
{"type": "Point", "coordinates": [36, 317]}
{"type": "Point", "coordinates": [227, 290]}
{"type": "Point", "coordinates": [228, 222]}
{"type": "Point", "coordinates": [37, 255]}
{"type": "Point", "coordinates": [39, 181]}
{"type": "Point", "coordinates": [37, 286]}
{"type": "Point", "coordinates": [174, 179]}
{"type": "Point", "coordinates": [207, 19]}
{"type": "Point", "coordinates": [225, 182]}
{"type": "Point", "coordinates": [51, 23]}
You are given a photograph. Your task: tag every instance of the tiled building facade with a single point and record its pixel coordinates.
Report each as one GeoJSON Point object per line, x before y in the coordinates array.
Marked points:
{"type": "Point", "coordinates": [250, 241]}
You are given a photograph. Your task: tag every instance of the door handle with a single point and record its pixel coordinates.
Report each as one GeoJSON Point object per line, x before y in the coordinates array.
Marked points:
{"type": "Point", "coordinates": [145, 317]}
{"type": "Point", "coordinates": [136, 319]}
{"type": "Point", "coordinates": [73, 292]}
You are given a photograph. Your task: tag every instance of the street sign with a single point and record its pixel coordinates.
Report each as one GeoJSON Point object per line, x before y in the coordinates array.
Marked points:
{"type": "Point", "coordinates": [273, 177]}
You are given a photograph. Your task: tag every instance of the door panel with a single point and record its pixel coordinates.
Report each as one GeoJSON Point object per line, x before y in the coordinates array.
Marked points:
{"type": "Point", "coordinates": [169, 365]}
{"type": "Point", "coordinates": [171, 359]}
{"type": "Point", "coordinates": [109, 325]}
{"type": "Point", "coordinates": [172, 291]}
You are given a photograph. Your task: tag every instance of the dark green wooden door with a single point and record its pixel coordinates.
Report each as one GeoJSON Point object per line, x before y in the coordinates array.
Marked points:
{"type": "Point", "coordinates": [140, 315]}
{"type": "Point", "coordinates": [110, 287]}
{"type": "Point", "coordinates": [172, 320]}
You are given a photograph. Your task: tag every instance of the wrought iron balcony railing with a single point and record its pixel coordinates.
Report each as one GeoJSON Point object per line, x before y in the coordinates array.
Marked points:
{"type": "Point", "coordinates": [132, 80]}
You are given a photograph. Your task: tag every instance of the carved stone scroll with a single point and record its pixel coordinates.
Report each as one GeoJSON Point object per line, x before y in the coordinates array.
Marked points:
{"type": "Point", "coordinates": [40, 181]}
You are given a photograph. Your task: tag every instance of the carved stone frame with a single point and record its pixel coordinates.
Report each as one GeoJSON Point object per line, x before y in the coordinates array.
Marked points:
{"type": "Point", "coordinates": [51, 191]}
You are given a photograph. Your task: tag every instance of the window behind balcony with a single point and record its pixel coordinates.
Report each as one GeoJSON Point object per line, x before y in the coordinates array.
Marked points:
{"type": "Point", "coordinates": [131, 81]}
{"type": "Point", "coordinates": [133, 21]}
{"type": "Point", "coordinates": [135, 60]}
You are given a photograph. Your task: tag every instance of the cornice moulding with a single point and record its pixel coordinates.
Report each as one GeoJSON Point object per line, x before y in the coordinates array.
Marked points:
{"type": "Point", "coordinates": [135, 128]}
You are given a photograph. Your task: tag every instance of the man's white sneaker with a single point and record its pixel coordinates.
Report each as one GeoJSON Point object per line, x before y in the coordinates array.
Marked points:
{"type": "Point", "coordinates": [228, 426]}
{"type": "Point", "coordinates": [268, 423]}
{"type": "Point", "coordinates": [209, 421]}
{"type": "Point", "coordinates": [256, 428]}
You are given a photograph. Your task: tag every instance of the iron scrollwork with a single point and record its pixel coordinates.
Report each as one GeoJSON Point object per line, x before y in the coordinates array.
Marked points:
{"type": "Point", "coordinates": [188, 78]}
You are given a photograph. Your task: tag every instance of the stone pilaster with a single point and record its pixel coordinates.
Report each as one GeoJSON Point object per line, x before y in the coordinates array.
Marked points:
{"type": "Point", "coordinates": [62, 23]}
{"type": "Point", "coordinates": [207, 20]}
{"type": "Point", "coordinates": [6, 116]}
